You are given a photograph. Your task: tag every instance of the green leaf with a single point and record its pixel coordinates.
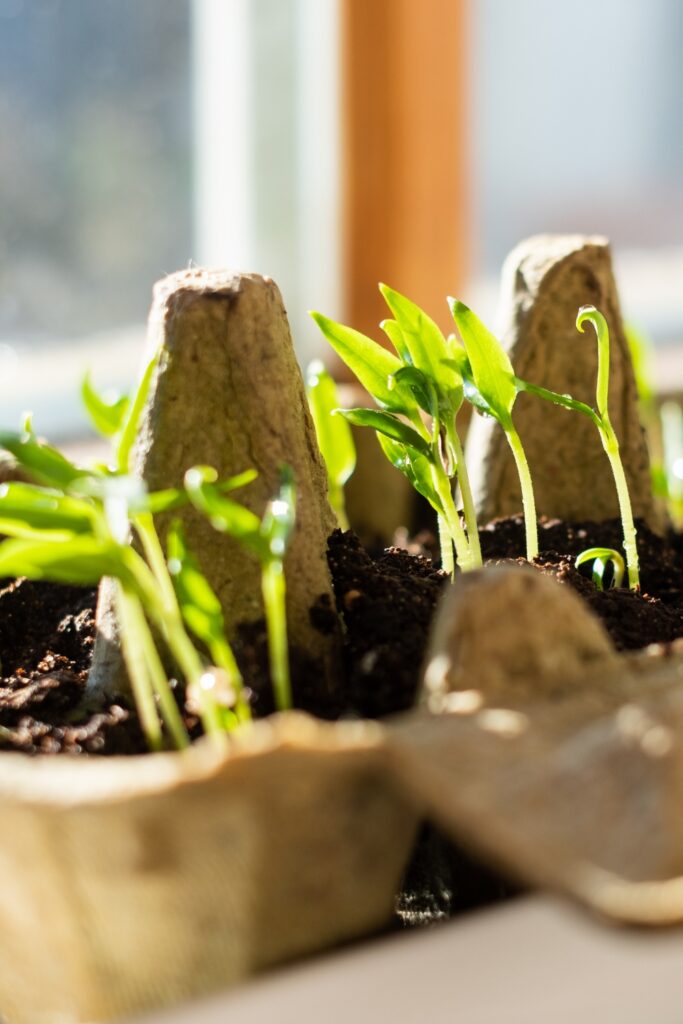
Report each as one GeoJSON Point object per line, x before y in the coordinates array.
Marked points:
{"type": "Point", "coordinates": [172, 498]}
{"type": "Point", "coordinates": [130, 426]}
{"type": "Point", "coordinates": [386, 423]}
{"type": "Point", "coordinates": [333, 432]}
{"type": "Point", "coordinates": [225, 515]}
{"type": "Point", "coordinates": [492, 373]}
{"type": "Point", "coordinates": [564, 401]}
{"type": "Point", "coordinates": [370, 363]}
{"type": "Point", "coordinates": [421, 386]}
{"type": "Point", "coordinates": [199, 605]}
{"type": "Point", "coordinates": [457, 356]}
{"type": "Point", "coordinates": [82, 561]}
{"type": "Point", "coordinates": [106, 416]}
{"type": "Point", "coordinates": [280, 516]}
{"type": "Point", "coordinates": [45, 464]}
{"type": "Point", "coordinates": [25, 508]}
{"type": "Point", "coordinates": [395, 335]}
{"type": "Point", "coordinates": [415, 467]}
{"type": "Point", "coordinates": [423, 339]}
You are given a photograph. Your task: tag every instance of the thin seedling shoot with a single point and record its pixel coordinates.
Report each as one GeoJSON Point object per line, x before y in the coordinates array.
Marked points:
{"type": "Point", "coordinates": [600, 417]}
{"type": "Point", "coordinates": [267, 540]}
{"type": "Point", "coordinates": [491, 387]}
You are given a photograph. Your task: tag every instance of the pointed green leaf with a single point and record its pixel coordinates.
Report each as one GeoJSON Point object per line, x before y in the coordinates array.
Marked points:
{"type": "Point", "coordinates": [492, 372]}
{"type": "Point", "coordinates": [457, 357]}
{"type": "Point", "coordinates": [172, 498]}
{"type": "Point", "coordinates": [416, 468]}
{"type": "Point", "coordinates": [82, 561]}
{"type": "Point", "coordinates": [370, 363]}
{"type": "Point", "coordinates": [131, 423]}
{"type": "Point", "coordinates": [395, 335]}
{"type": "Point", "coordinates": [45, 464]}
{"type": "Point", "coordinates": [37, 508]}
{"type": "Point", "coordinates": [420, 385]}
{"type": "Point", "coordinates": [225, 515]}
{"type": "Point", "coordinates": [423, 339]}
{"type": "Point", "coordinates": [199, 605]}
{"type": "Point", "coordinates": [388, 424]}
{"type": "Point", "coordinates": [333, 432]}
{"type": "Point", "coordinates": [106, 416]}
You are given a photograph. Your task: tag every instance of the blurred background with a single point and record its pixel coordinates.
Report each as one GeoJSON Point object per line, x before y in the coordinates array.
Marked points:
{"type": "Point", "coordinates": [331, 144]}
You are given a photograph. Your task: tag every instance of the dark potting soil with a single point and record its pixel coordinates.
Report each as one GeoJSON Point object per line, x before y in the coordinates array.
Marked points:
{"type": "Point", "coordinates": [386, 602]}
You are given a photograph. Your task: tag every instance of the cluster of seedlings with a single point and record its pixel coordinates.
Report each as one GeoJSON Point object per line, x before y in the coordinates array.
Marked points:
{"type": "Point", "coordinates": [419, 392]}
{"type": "Point", "coordinates": [76, 525]}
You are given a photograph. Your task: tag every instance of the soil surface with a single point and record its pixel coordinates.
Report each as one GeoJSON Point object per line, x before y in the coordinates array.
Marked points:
{"type": "Point", "coordinates": [386, 602]}
{"type": "Point", "coordinates": [633, 620]}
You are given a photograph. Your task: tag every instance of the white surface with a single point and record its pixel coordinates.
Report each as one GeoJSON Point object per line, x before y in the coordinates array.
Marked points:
{"type": "Point", "coordinates": [532, 961]}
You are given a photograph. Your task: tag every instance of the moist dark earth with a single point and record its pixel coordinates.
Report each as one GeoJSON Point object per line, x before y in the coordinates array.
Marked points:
{"type": "Point", "coordinates": [386, 601]}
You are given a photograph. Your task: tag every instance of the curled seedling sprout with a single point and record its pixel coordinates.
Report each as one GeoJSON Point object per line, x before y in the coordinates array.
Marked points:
{"type": "Point", "coordinates": [600, 417]}
{"type": "Point", "coordinates": [609, 439]}
{"type": "Point", "coordinates": [607, 566]}
{"type": "Point", "coordinates": [418, 392]}
{"type": "Point", "coordinates": [491, 386]}
{"type": "Point", "coordinates": [334, 436]}
{"type": "Point", "coordinates": [265, 538]}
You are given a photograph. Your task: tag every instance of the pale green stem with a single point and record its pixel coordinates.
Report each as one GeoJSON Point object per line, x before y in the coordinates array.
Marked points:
{"type": "Point", "coordinates": [274, 588]}
{"type": "Point", "coordinates": [467, 500]}
{"type": "Point", "coordinates": [528, 500]}
{"type": "Point", "coordinates": [442, 485]}
{"type": "Point", "coordinates": [157, 675]}
{"type": "Point", "coordinates": [136, 664]}
{"type": "Point", "coordinates": [222, 655]}
{"type": "Point", "coordinates": [446, 546]}
{"type": "Point", "coordinates": [170, 621]}
{"type": "Point", "coordinates": [611, 446]}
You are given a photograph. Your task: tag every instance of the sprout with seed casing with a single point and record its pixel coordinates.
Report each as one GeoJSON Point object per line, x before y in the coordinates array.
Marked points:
{"type": "Point", "coordinates": [607, 569]}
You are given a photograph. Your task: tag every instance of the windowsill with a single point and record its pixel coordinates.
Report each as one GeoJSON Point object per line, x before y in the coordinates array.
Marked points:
{"type": "Point", "coordinates": [532, 961]}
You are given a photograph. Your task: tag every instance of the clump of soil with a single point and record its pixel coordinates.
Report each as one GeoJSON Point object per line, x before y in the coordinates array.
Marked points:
{"type": "Point", "coordinates": [47, 632]}
{"type": "Point", "coordinates": [387, 605]}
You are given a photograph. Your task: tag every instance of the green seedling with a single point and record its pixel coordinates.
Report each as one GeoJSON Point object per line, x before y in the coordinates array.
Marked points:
{"type": "Point", "coordinates": [600, 417]}
{"type": "Point", "coordinates": [107, 413]}
{"type": "Point", "coordinates": [334, 436]}
{"type": "Point", "coordinates": [75, 525]}
{"type": "Point", "coordinates": [491, 386]}
{"type": "Point", "coordinates": [76, 537]}
{"type": "Point", "coordinates": [607, 566]}
{"type": "Point", "coordinates": [267, 539]}
{"type": "Point", "coordinates": [203, 616]}
{"type": "Point", "coordinates": [418, 391]}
